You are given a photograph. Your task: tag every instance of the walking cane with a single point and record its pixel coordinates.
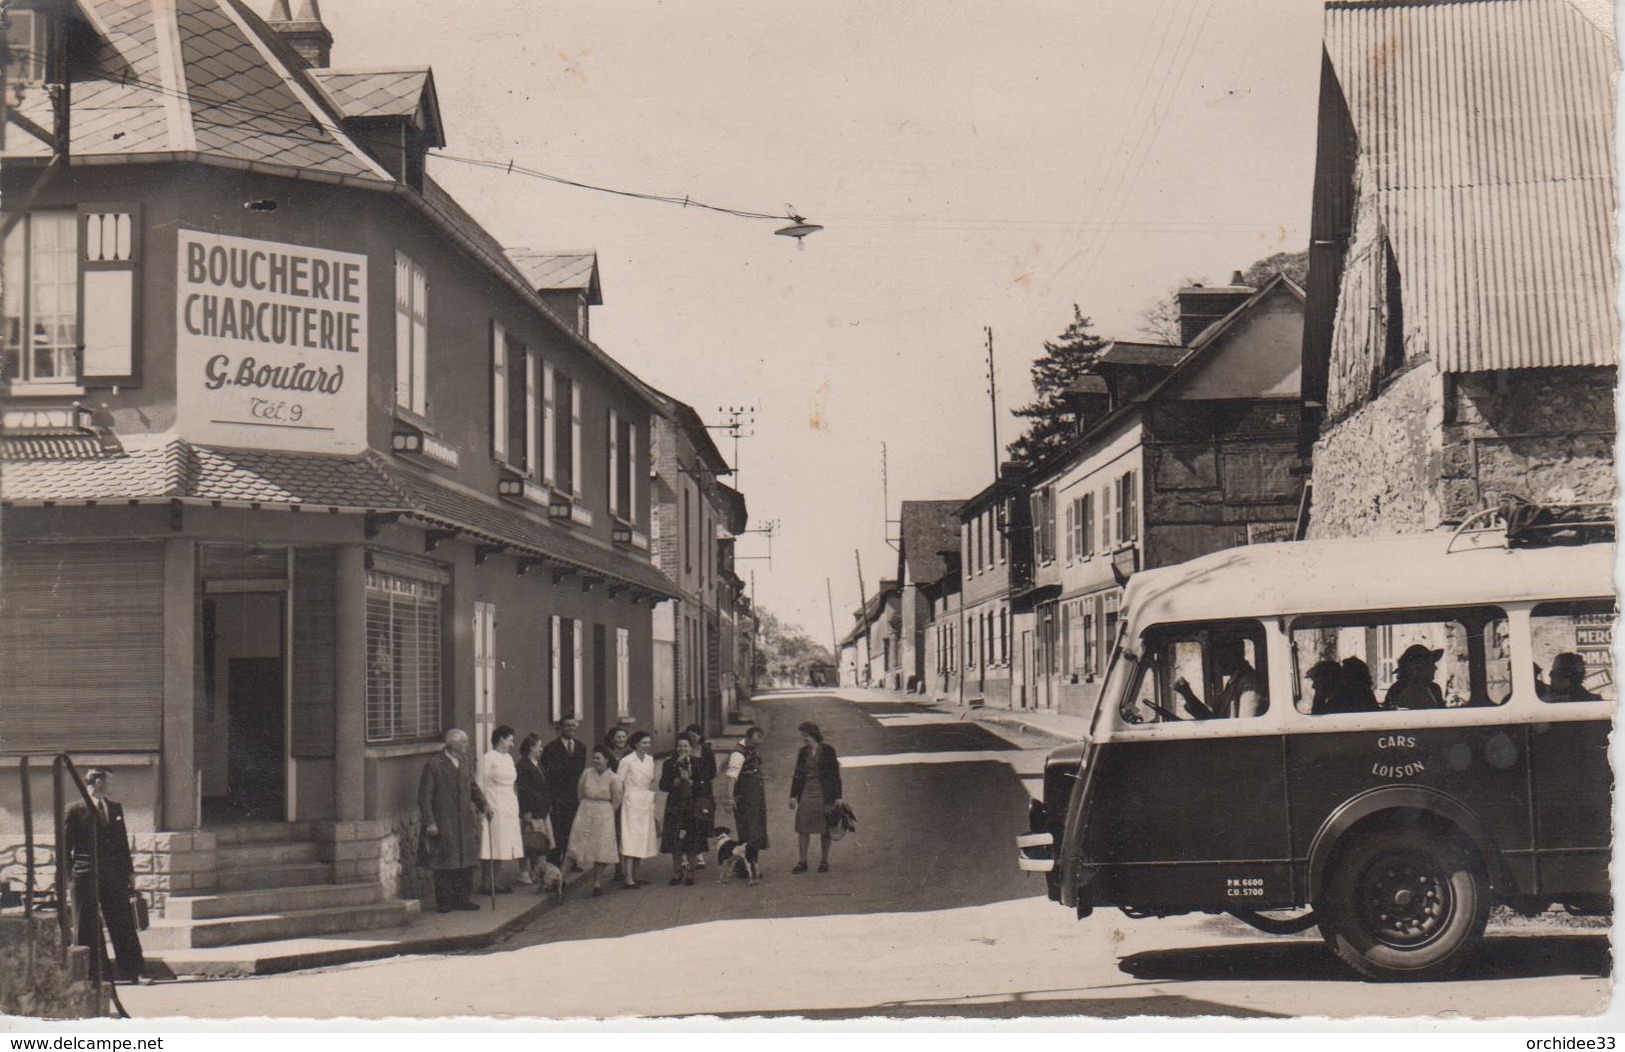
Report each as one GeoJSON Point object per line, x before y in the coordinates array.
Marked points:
{"type": "Point", "coordinates": [491, 884]}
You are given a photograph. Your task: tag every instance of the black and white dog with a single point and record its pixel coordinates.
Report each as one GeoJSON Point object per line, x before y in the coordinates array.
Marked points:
{"type": "Point", "coordinates": [731, 860]}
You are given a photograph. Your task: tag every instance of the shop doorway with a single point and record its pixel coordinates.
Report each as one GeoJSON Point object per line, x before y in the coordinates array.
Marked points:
{"type": "Point", "coordinates": [241, 737]}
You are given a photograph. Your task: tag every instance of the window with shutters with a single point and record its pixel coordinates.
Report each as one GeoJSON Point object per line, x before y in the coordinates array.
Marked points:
{"type": "Point", "coordinates": [1071, 530]}
{"type": "Point", "coordinates": [622, 467]}
{"type": "Point", "coordinates": [27, 45]}
{"type": "Point", "coordinates": [1086, 525]}
{"type": "Point", "coordinates": [1087, 634]}
{"type": "Point", "coordinates": [565, 646]}
{"type": "Point", "coordinates": [411, 336]}
{"type": "Point", "coordinates": [68, 301]}
{"type": "Point", "coordinates": [514, 411]}
{"type": "Point", "coordinates": [1128, 508]}
{"type": "Point", "coordinates": [549, 427]}
{"type": "Point", "coordinates": [403, 658]}
{"type": "Point", "coordinates": [566, 432]}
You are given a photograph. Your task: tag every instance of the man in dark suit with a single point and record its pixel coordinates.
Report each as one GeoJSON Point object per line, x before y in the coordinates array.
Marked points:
{"type": "Point", "coordinates": [563, 760]}
{"type": "Point", "coordinates": [103, 825]}
{"type": "Point", "coordinates": [452, 807]}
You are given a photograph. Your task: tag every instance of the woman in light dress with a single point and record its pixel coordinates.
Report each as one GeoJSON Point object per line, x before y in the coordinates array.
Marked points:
{"type": "Point", "coordinates": [592, 835]}
{"type": "Point", "coordinates": [638, 837]}
{"type": "Point", "coordinates": [500, 838]}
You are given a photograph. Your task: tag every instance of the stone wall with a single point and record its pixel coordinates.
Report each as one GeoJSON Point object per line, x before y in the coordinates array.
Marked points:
{"type": "Point", "coordinates": [1542, 434]}
{"type": "Point", "coordinates": [1376, 469]}
{"type": "Point", "coordinates": [173, 864]}
{"type": "Point", "coordinates": [37, 980]}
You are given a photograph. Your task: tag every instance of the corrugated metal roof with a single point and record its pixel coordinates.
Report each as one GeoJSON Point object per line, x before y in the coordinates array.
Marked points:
{"type": "Point", "coordinates": [1486, 143]}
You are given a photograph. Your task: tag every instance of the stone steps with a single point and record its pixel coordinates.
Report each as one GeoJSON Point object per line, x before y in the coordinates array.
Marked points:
{"type": "Point", "coordinates": [261, 833]}
{"type": "Point", "coordinates": [297, 874]}
{"type": "Point", "coordinates": [171, 934]}
{"type": "Point", "coordinates": [270, 853]}
{"type": "Point", "coordinates": [271, 900]}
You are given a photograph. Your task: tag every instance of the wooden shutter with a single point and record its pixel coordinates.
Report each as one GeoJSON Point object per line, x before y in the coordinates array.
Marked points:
{"type": "Point", "coordinates": [554, 667]}
{"type": "Point", "coordinates": [614, 463]}
{"type": "Point", "coordinates": [109, 258]}
{"type": "Point", "coordinates": [576, 705]}
{"type": "Point", "coordinates": [550, 441]}
{"type": "Point", "coordinates": [499, 393]}
{"type": "Point", "coordinates": [82, 646]}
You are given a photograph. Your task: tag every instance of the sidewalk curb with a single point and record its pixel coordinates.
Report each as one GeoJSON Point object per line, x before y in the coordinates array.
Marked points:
{"type": "Point", "coordinates": [407, 947]}
{"type": "Point", "coordinates": [1022, 728]}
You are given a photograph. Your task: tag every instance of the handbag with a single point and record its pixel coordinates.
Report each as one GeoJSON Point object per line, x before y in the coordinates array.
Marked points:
{"type": "Point", "coordinates": [536, 834]}
{"type": "Point", "coordinates": [138, 908]}
{"type": "Point", "coordinates": [705, 808]}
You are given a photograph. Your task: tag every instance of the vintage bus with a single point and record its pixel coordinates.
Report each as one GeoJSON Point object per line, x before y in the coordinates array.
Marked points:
{"type": "Point", "coordinates": [1393, 735]}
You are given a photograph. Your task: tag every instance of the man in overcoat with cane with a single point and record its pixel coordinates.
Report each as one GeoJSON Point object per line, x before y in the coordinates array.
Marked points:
{"type": "Point", "coordinates": [452, 808]}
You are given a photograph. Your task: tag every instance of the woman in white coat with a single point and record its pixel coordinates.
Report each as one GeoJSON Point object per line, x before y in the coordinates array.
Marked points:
{"type": "Point", "coordinates": [501, 840]}
{"type": "Point", "coordinates": [638, 784]}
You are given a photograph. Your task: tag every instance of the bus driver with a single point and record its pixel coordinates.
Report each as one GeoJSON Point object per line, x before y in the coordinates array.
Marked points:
{"type": "Point", "coordinates": [1243, 693]}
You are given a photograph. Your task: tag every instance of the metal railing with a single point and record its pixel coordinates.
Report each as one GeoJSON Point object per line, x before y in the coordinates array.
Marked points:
{"type": "Point", "coordinates": [66, 908]}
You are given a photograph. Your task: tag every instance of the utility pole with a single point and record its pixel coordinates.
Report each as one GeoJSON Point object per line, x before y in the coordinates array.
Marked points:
{"type": "Point", "coordinates": [993, 400]}
{"type": "Point", "coordinates": [834, 638]}
{"type": "Point", "coordinates": [739, 418]}
{"type": "Point", "coordinates": [885, 500]}
{"type": "Point", "coordinates": [863, 610]}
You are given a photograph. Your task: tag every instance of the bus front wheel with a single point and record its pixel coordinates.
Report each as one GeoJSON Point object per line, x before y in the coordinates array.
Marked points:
{"type": "Point", "coordinates": [1404, 905]}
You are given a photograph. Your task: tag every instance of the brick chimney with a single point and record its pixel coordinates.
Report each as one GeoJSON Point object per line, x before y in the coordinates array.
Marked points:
{"type": "Point", "coordinates": [1201, 306]}
{"type": "Point", "coordinates": [303, 30]}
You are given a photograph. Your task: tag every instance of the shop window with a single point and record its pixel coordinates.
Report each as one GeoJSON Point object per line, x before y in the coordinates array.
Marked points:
{"type": "Point", "coordinates": [403, 658]}
{"type": "Point", "coordinates": [1573, 649]}
{"type": "Point", "coordinates": [52, 260]}
{"type": "Point", "coordinates": [411, 336]}
{"type": "Point", "coordinates": [1200, 673]}
{"type": "Point", "coordinates": [1432, 659]}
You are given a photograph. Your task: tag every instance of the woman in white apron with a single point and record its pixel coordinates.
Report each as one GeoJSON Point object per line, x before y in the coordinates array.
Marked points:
{"type": "Point", "coordinates": [500, 839]}
{"type": "Point", "coordinates": [638, 782]}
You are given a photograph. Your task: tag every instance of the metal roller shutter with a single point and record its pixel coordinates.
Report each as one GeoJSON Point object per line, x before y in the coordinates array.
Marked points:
{"type": "Point", "coordinates": [82, 646]}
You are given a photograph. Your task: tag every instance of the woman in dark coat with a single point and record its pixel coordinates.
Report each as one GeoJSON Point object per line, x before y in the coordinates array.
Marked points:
{"type": "Point", "coordinates": [535, 805]}
{"type": "Point", "coordinates": [750, 796]}
{"type": "Point", "coordinates": [705, 801]}
{"type": "Point", "coordinates": [815, 788]}
{"type": "Point", "coordinates": [677, 832]}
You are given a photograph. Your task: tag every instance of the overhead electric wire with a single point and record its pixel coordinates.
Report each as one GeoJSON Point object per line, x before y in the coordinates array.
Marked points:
{"type": "Point", "coordinates": [298, 123]}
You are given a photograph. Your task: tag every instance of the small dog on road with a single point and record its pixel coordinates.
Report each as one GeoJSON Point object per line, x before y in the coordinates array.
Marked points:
{"type": "Point", "coordinates": [731, 860]}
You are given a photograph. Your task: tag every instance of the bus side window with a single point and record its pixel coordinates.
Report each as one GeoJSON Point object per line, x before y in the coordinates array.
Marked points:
{"type": "Point", "coordinates": [1573, 646]}
{"type": "Point", "coordinates": [1402, 660]}
{"type": "Point", "coordinates": [1199, 674]}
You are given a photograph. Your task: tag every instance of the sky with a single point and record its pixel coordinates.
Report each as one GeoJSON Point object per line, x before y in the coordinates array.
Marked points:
{"type": "Point", "coordinates": [974, 165]}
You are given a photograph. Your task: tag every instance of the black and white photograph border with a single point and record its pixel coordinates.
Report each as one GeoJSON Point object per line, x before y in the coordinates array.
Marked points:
{"type": "Point", "coordinates": [719, 515]}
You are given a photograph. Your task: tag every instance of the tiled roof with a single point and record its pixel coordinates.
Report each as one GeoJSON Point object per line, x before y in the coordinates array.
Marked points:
{"type": "Point", "coordinates": [1486, 136]}
{"type": "Point", "coordinates": [374, 94]}
{"type": "Point", "coordinates": [1122, 352]}
{"type": "Point", "coordinates": [169, 467]}
{"type": "Point", "coordinates": [928, 529]}
{"type": "Point", "coordinates": [1088, 384]}
{"type": "Point", "coordinates": [369, 94]}
{"type": "Point", "coordinates": [232, 91]}
{"type": "Point", "coordinates": [559, 270]}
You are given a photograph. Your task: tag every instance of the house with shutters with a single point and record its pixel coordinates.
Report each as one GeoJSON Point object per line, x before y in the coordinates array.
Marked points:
{"type": "Point", "coordinates": [695, 520]}
{"type": "Point", "coordinates": [1182, 450]}
{"type": "Point", "coordinates": [1462, 336]}
{"type": "Point", "coordinates": [299, 466]}
{"type": "Point", "coordinates": [927, 552]}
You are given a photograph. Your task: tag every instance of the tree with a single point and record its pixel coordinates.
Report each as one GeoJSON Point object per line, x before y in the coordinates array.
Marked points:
{"type": "Point", "coordinates": [1160, 320]}
{"type": "Point", "coordinates": [785, 654]}
{"type": "Point", "coordinates": [1053, 416]}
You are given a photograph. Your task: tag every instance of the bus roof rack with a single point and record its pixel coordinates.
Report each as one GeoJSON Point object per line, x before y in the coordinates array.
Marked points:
{"type": "Point", "coordinates": [1516, 522]}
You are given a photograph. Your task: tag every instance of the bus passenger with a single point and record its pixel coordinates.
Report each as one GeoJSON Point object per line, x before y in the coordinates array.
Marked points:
{"type": "Point", "coordinates": [1413, 686]}
{"type": "Point", "coordinates": [1327, 678]}
{"type": "Point", "coordinates": [1354, 687]}
{"type": "Point", "coordinates": [1568, 681]}
{"type": "Point", "coordinates": [1242, 694]}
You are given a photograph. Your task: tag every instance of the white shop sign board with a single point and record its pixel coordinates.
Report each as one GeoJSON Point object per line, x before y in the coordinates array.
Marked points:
{"type": "Point", "coordinates": [271, 345]}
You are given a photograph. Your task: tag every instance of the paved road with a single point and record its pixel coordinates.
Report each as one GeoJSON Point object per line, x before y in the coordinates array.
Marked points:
{"type": "Point", "coordinates": [923, 914]}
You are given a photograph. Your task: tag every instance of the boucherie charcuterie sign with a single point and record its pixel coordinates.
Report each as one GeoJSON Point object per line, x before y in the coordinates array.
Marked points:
{"type": "Point", "coordinates": [271, 344]}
